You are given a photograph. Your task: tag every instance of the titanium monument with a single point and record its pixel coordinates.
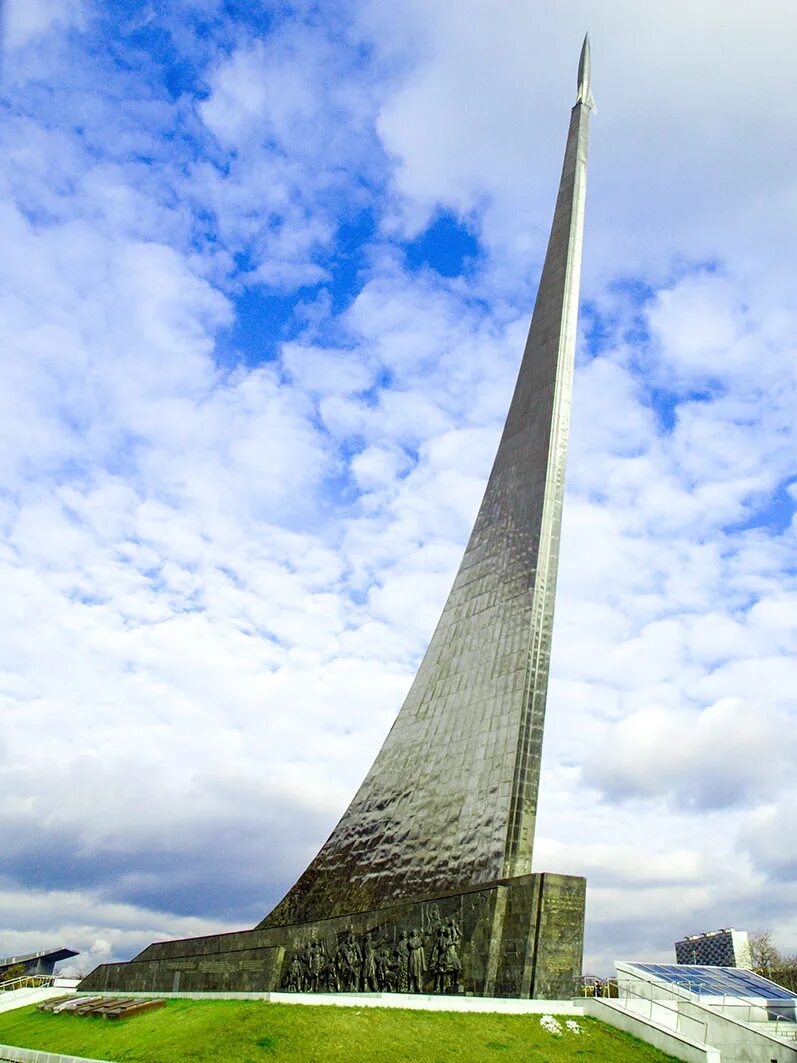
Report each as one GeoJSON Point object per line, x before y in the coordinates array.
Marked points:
{"type": "Point", "coordinates": [425, 884]}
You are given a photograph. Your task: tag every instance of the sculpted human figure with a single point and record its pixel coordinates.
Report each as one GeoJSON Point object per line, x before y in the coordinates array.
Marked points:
{"type": "Point", "coordinates": [400, 963]}
{"type": "Point", "coordinates": [352, 963]}
{"type": "Point", "coordinates": [452, 963]}
{"type": "Point", "coordinates": [330, 974]}
{"type": "Point", "coordinates": [317, 963]}
{"type": "Point", "coordinates": [294, 980]}
{"type": "Point", "coordinates": [384, 968]}
{"type": "Point", "coordinates": [416, 964]}
{"type": "Point", "coordinates": [437, 959]}
{"type": "Point", "coordinates": [356, 959]}
{"type": "Point", "coordinates": [306, 962]}
{"type": "Point", "coordinates": [344, 966]}
{"type": "Point", "coordinates": [341, 967]}
{"type": "Point", "coordinates": [370, 982]}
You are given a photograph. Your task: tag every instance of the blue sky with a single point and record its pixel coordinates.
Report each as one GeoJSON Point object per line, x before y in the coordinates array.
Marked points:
{"type": "Point", "coordinates": [267, 279]}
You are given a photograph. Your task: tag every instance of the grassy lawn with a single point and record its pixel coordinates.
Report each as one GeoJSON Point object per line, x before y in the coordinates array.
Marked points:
{"type": "Point", "coordinates": [188, 1031]}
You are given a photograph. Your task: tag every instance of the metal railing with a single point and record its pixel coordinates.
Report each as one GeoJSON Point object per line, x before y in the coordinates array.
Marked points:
{"type": "Point", "coordinates": [778, 1024]}
{"type": "Point", "coordinates": [27, 981]}
{"type": "Point", "coordinates": [759, 1014]}
{"type": "Point", "coordinates": [663, 1012]}
{"type": "Point", "coordinates": [600, 989]}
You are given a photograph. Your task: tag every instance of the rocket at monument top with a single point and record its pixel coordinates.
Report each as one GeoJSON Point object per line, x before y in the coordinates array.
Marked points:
{"type": "Point", "coordinates": [584, 76]}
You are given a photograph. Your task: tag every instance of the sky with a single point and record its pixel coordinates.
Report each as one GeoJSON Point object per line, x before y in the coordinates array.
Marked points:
{"type": "Point", "coordinates": [267, 276]}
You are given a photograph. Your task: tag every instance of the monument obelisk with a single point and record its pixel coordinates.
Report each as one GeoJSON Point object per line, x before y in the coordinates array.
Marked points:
{"type": "Point", "coordinates": [438, 840]}
{"type": "Point", "coordinates": [451, 799]}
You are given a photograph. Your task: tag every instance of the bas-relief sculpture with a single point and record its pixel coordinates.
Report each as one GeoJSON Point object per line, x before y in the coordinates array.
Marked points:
{"type": "Point", "coordinates": [425, 884]}
{"type": "Point", "coordinates": [394, 963]}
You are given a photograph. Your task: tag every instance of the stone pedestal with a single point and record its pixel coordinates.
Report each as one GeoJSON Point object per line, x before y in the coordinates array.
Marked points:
{"type": "Point", "coordinates": [520, 937]}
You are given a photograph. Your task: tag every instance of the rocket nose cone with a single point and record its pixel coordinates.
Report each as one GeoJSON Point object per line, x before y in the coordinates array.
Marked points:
{"type": "Point", "coordinates": [584, 63]}
{"type": "Point", "coordinates": [584, 75]}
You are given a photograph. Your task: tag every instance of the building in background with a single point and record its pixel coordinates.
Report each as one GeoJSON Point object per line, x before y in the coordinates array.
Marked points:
{"type": "Point", "coordinates": [715, 948]}
{"type": "Point", "coordinates": [34, 963]}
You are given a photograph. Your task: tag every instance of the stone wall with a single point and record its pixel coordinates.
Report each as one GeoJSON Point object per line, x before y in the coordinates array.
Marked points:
{"type": "Point", "coordinates": [518, 937]}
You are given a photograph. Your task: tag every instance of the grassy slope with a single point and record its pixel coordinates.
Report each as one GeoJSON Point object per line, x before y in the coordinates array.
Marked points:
{"type": "Point", "coordinates": [251, 1032]}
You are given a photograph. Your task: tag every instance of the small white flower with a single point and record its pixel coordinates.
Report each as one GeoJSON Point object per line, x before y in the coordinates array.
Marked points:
{"type": "Point", "coordinates": [549, 1023]}
{"type": "Point", "coordinates": [573, 1026]}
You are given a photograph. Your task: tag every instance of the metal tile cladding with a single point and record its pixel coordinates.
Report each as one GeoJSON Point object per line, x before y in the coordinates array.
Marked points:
{"type": "Point", "coordinates": [451, 799]}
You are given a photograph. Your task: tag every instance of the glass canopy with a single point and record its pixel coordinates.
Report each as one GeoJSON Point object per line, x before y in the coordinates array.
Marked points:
{"type": "Point", "coordinates": [716, 981]}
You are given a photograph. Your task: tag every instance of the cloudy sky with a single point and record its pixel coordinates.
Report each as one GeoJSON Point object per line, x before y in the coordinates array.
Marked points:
{"type": "Point", "coordinates": [267, 273]}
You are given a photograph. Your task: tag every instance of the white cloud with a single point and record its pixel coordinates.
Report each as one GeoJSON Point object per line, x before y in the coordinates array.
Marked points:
{"type": "Point", "coordinates": [687, 156]}
{"type": "Point", "coordinates": [260, 90]}
{"type": "Point", "coordinates": [26, 20]}
{"type": "Point", "coordinates": [33, 921]}
{"type": "Point", "coordinates": [378, 467]}
{"type": "Point", "coordinates": [327, 371]}
{"type": "Point", "coordinates": [294, 120]}
{"type": "Point", "coordinates": [730, 752]}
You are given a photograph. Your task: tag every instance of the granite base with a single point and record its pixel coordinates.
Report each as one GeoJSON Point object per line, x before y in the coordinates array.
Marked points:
{"type": "Point", "coordinates": [520, 937]}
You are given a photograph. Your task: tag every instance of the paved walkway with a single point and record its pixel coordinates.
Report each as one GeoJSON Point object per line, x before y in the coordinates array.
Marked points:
{"type": "Point", "coordinates": [20, 998]}
{"type": "Point", "coordinates": [422, 1002]}
{"type": "Point", "coordinates": [9, 1054]}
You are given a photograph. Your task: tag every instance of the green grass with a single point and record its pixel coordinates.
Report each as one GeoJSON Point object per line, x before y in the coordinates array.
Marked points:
{"type": "Point", "coordinates": [188, 1031]}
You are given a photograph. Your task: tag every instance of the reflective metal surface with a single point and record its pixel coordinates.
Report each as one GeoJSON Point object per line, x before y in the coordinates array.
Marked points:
{"type": "Point", "coordinates": [451, 798]}
{"type": "Point", "coordinates": [585, 76]}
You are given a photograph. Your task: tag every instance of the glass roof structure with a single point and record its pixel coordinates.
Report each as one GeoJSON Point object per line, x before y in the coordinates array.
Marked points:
{"type": "Point", "coordinates": [716, 981]}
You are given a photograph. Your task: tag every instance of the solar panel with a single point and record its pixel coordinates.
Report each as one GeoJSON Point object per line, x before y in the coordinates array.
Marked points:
{"type": "Point", "coordinates": [717, 981]}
